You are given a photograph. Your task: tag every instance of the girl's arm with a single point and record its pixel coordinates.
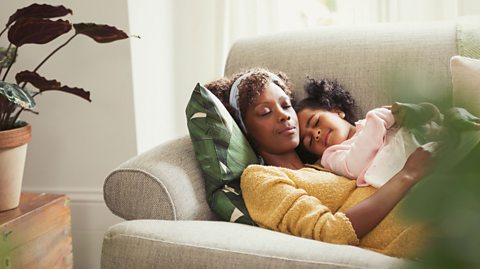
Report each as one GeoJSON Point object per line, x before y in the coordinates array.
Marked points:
{"type": "Point", "coordinates": [350, 160]}
{"type": "Point", "coordinates": [365, 215]}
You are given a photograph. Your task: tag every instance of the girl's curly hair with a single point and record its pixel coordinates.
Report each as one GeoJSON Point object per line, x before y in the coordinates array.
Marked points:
{"type": "Point", "coordinates": [328, 95]}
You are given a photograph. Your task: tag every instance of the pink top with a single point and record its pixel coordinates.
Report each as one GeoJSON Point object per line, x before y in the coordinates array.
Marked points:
{"type": "Point", "coordinates": [353, 157]}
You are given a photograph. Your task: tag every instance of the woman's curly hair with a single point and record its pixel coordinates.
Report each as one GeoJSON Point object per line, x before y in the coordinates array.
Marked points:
{"type": "Point", "coordinates": [328, 95]}
{"type": "Point", "coordinates": [249, 88]}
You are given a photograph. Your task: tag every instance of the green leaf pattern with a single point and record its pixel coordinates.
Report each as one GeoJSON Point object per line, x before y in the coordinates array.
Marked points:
{"type": "Point", "coordinates": [223, 153]}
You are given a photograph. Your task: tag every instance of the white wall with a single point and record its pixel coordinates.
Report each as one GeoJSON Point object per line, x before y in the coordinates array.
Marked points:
{"type": "Point", "coordinates": [194, 52]}
{"type": "Point", "coordinates": [153, 75]}
{"type": "Point", "coordinates": [76, 143]}
{"type": "Point", "coordinates": [177, 48]}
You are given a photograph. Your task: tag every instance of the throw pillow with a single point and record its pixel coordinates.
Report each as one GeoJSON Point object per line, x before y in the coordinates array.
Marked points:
{"type": "Point", "coordinates": [466, 83]}
{"type": "Point", "coordinates": [223, 153]}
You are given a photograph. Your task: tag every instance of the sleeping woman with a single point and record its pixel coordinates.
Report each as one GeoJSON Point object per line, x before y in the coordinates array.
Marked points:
{"type": "Point", "coordinates": [287, 196]}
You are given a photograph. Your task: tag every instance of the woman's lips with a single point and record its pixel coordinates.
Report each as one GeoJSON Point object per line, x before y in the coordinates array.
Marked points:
{"type": "Point", "coordinates": [288, 130]}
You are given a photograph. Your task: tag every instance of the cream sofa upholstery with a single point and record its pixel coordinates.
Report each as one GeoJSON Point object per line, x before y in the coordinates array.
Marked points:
{"type": "Point", "coordinates": [161, 193]}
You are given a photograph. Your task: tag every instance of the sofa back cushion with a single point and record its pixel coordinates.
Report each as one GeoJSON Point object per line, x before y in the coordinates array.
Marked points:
{"type": "Point", "coordinates": [364, 59]}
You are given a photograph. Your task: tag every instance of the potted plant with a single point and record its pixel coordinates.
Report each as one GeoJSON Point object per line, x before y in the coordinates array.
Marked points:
{"type": "Point", "coordinates": [34, 24]}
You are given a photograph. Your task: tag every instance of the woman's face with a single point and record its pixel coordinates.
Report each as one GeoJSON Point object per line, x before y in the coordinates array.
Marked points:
{"type": "Point", "coordinates": [320, 129]}
{"type": "Point", "coordinates": [272, 122]}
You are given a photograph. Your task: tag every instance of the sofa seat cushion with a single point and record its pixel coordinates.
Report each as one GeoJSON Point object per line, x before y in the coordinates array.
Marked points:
{"type": "Point", "coordinates": [215, 244]}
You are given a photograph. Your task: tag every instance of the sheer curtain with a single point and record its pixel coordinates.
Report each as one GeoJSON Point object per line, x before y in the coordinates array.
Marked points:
{"type": "Point", "coordinates": [242, 18]}
{"type": "Point", "coordinates": [373, 11]}
{"type": "Point", "coordinates": [236, 19]}
{"type": "Point", "coordinates": [187, 41]}
{"type": "Point", "coordinates": [205, 30]}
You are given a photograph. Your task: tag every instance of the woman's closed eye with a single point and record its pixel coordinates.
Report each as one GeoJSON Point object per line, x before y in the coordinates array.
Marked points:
{"type": "Point", "coordinates": [263, 111]}
{"type": "Point", "coordinates": [286, 105]}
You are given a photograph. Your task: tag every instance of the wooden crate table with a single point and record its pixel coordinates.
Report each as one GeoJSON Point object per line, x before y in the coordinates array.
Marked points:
{"type": "Point", "coordinates": [37, 234]}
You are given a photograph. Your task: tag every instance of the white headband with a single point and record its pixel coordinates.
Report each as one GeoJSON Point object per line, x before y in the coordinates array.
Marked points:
{"type": "Point", "coordinates": [233, 100]}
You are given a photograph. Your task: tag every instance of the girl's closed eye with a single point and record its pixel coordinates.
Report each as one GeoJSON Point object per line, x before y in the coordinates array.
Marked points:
{"type": "Point", "coordinates": [316, 122]}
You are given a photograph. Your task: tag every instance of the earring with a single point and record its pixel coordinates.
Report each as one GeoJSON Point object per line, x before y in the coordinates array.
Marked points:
{"type": "Point", "coordinates": [341, 114]}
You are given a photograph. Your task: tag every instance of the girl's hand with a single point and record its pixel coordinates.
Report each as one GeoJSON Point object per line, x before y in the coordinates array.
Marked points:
{"type": "Point", "coordinates": [419, 163]}
{"type": "Point", "coordinates": [415, 115]}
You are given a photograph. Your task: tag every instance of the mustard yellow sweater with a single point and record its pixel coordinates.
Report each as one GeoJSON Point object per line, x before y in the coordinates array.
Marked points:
{"type": "Point", "coordinates": [310, 203]}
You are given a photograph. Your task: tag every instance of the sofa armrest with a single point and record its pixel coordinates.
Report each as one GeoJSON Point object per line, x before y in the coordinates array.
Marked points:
{"type": "Point", "coordinates": [162, 183]}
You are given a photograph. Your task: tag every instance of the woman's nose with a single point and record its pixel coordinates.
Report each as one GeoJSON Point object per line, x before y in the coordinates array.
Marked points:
{"type": "Point", "coordinates": [283, 116]}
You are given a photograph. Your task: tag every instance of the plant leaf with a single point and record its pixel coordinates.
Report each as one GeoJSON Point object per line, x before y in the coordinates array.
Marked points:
{"type": "Point", "coordinates": [37, 81]}
{"type": "Point", "coordinates": [6, 57]}
{"type": "Point", "coordinates": [44, 84]}
{"type": "Point", "coordinates": [76, 91]}
{"type": "Point", "coordinates": [39, 11]}
{"type": "Point", "coordinates": [36, 31]}
{"type": "Point", "coordinates": [17, 95]}
{"type": "Point", "coordinates": [100, 33]}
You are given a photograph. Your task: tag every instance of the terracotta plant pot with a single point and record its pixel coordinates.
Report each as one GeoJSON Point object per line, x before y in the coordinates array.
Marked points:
{"type": "Point", "coordinates": [13, 151]}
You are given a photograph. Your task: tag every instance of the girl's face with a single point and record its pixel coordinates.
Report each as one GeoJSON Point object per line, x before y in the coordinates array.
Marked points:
{"type": "Point", "coordinates": [320, 129]}
{"type": "Point", "coordinates": [272, 122]}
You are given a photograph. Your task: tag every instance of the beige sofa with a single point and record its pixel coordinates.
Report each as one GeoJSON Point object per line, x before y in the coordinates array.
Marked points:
{"type": "Point", "coordinates": [161, 192]}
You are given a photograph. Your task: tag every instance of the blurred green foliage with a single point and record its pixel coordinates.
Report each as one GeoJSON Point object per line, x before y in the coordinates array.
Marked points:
{"type": "Point", "coordinates": [449, 199]}
{"type": "Point", "coordinates": [331, 4]}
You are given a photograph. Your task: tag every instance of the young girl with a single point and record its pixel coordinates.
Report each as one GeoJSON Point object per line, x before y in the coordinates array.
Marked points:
{"type": "Point", "coordinates": [370, 150]}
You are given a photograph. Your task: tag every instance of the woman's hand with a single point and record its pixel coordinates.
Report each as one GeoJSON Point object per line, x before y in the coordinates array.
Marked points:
{"type": "Point", "coordinates": [419, 163]}
{"type": "Point", "coordinates": [365, 215]}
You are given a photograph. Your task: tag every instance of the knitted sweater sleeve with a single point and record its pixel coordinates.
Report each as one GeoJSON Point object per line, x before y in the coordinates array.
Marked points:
{"type": "Point", "coordinates": [274, 202]}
